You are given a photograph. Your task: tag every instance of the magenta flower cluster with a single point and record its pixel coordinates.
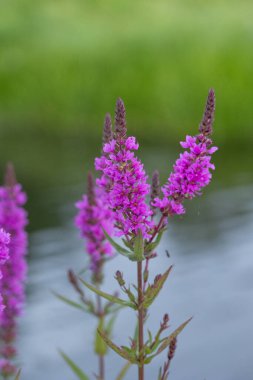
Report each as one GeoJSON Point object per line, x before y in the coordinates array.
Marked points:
{"type": "Point", "coordinates": [13, 218]}
{"type": "Point", "coordinates": [93, 217]}
{"type": "Point", "coordinates": [124, 199]}
{"type": "Point", "coordinates": [191, 173]}
{"type": "Point", "coordinates": [129, 188]}
{"type": "Point", "coordinates": [4, 256]}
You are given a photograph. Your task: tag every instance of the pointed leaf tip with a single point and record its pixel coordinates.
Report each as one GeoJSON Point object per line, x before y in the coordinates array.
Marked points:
{"type": "Point", "coordinates": [77, 371]}
{"type": "Point", "coordinates": [107, 296]}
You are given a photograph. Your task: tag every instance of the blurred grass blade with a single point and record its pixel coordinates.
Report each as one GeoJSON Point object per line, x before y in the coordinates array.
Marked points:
{"type": "Point", "coordinates": [107, 296]}
{"type": "Point", "coordinates": [18, 375]}
{"type": "Point", "coordinates": [123, 371]}
{"type": "Point", "coordinates": [79, 373]}
{"type": "Point", "coordinates": [69, 302]}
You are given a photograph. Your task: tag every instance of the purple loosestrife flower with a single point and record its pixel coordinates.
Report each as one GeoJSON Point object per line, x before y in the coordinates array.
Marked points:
{"type": "Point", "coordinates": [92, 218]}
{"type": "Point", "coordinates": [128, 187]}
{"type": "Point", "coordinates": [13, 218]}
{"type": "Point", "coordinates": [4, 256]}
{"type": "Point", "coordinates": [192, 170]}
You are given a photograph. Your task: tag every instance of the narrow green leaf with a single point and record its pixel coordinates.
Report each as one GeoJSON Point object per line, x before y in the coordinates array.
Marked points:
{"type": "Point", "coordinates": [172, 336]}
{"type": "Point", "coordinates": [166, 342]}
{"type": "Point", "coordinates": [69, 302]}
{"type": "Point", "coordinates": [150, 338]}
{"type": "Point", "coordinates": [139, 246]}
{"type": "Point", "coordinates": [107, 296]}
{"type": "Point", "coordinates": [100, 345]}
{"type": "Point", "coordinates": [128, 244]}
{"type": "Point", "coordinates": [123, 371]}
{"type": "Point", "coordinates": [152, 292]}
{"type": "Point", "coordinates": [151, 246]}
{"type": "Point", "coordinates": [119, 350]}
{"type": "Point", "coordinates": [118, 247]}
{"type": "Point", "coordinates": [110, 324]}
{"type": "Point", "coordinates": [80, 374]}
{"type": "Point", "coordinates": [160, 374]}
{"type": "Point", "coordinates": [18, 375]}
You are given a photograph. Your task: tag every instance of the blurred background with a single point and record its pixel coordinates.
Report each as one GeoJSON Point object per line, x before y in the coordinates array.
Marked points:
{"type": "Point", "coordinates": [62, 66]}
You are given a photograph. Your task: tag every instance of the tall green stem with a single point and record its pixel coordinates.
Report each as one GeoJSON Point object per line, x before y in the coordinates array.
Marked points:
{"type": "Point", "coordinates": [140, 321]}
{"type": "Point", "coordinates": [101, 358]}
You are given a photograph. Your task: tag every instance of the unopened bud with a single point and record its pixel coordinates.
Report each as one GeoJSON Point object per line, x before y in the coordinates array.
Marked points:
{"type": "Point", "coordinates": [206, 125]}
{"type": "Point", "coordinates": [145, 275]}
{"type": "Point", "coordinates": [10, 175]}
{"type": "Point", "coordinates": [120, 120]}
{"type": "Point", "coordinates": [90, 189]}
{"type": "Point", "coordinates": [107, 132]}
{"type": "Point", "coordinates": [155, 190]}
{"type": "Point", "coordinates": [172, 349]}
{"type": "Point", "coordinates": [119, 278]}
{"type": "Point", "coordinates": [166, 318]}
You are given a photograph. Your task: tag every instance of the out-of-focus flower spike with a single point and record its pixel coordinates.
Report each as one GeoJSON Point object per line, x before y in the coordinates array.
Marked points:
{"type": "Point", "coordinates": [155, 189]}
{"type": "Point", "coordinates": [206, 125]}
{"type": "Point", "coordinates": [90, 189]}
{"type": "Point", "coordinates": [120, 120]}
{"type": "Point", "coordinates": [10, 179]}
{"type": "Point", "coordinates": [92, 219]}
{"type": "Point", "coordinates": [13, 218]}
{"type": "Point", "coordinates": [107, 132]}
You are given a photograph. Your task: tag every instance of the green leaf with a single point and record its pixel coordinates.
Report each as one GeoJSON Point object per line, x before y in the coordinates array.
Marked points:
{"type": "Point", "coordinates": [118, 247]}
{"type": "Point", "coordinates": [123, 371]}
{"type": "Point", "coordinates": [69, 302]}
{"type": "Point", "coordinates": [172, 336]}
{"type": "Point", "coordinates": [100, 346]}
{"type": "Point", "coordinates": [151, 246]}
{"type": "Point", "coordinates": [150, 338]}
{"type": "Point", "coordinates": [119, 350]}
{"type": "Point", "coordinates": [80, 374]}
{"type": "Point", "coordinates": [128, 244]}
{"type": "Point", "coordinates": [110, 324]}
{"type": "Point", "coordinates": [139, 247]}
{"type": "Point", "coordinates": [18, 375]}
{"type": "Point", "coordinates": [166, 341]}
{"type": "Point", "coordinates": [160, 374]}
{"type": "Point", "coordinates": [153, 291]}
{"type": "Point", "coordinates": [107, 296]}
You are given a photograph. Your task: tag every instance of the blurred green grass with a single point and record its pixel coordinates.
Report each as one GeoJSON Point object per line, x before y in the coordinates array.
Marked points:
{"type": "Point", "coordinates": [63, 64]}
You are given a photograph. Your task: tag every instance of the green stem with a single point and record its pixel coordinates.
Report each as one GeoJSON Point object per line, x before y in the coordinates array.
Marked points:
{"type": "Point", "coordinates": [140, 321]}
{"type": "Point", "coordinates": [101, 358]}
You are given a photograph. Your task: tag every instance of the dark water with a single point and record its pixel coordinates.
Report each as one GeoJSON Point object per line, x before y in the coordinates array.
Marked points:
{"type": "Point", "coordinates": [212, 280]}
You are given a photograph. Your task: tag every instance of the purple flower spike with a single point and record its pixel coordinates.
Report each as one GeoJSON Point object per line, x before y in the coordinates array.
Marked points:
{"type": "Point", "coordinates": [93, 217]}
{"type": "Point", "coordinates": [107, 132]}
{"type": "Point", "coordinates": [120, 120]}
{"type": "Point", "coordinates": [206, 125]}
{"type": "Point", "coordinates": [4, 256]}
{"type": "Point", "coordinates": [125, 181]}
{"type": "Point", "coordinates": [192, 170]}
{"type": "Point", "coordinates": [13, 218]}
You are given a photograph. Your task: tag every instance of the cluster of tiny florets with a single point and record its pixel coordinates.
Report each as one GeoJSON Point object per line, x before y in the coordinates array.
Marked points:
{"type": "Point", "coordinates": [13, 218]}
{"type": "Point", "coordinates": [192, 170]}
{"type": "Point", "coordinates": [125, 181]}
{"type": "Point", "coordinates": [92, 219]}
{"type": "Point", "coordinates": [4, 256]}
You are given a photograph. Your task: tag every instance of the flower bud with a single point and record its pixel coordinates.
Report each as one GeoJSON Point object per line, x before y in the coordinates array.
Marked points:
{"type": "Point", "coordinates": [119, 278]}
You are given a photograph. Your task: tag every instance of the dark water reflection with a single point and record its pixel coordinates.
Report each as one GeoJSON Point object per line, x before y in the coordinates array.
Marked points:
{"type": "Point", "coordinates": [212, 249]}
